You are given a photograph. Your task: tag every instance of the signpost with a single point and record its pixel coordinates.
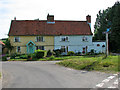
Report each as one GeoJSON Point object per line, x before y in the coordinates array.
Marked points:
{"type": "Point", "coordinates": [107, 32]}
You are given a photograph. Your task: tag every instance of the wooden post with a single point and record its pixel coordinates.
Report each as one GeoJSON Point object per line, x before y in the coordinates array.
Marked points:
{"type": "Point", "coordinates": [107, 52]}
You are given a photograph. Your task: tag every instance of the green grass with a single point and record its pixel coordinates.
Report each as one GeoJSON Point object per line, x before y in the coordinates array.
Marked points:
{"type": "Point", "coordinates": [17, 60]}
{"type": "Point", "coordinates": [110, 64]}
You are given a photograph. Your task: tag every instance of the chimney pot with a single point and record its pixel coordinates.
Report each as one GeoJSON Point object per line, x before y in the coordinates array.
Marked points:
{"type": "Point", "coordinates": [50, 18]}
{"type": "Point", "coordinates": [88, 18]}
{"type": "Point", "coordinates": [14, 18]}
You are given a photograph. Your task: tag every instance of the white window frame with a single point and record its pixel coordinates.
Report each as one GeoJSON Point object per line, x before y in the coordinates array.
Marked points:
{"type": "Point", "coordinates": [18, 39]}
{"type": "Point", "coordinates": [65, 38]}
{"type": "Point", "coordinates": [39, 40]}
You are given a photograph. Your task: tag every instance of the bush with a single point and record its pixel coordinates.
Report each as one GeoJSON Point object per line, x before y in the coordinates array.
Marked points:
{"type": "Point", "coordinates": [23, 56]}
{"type": "Point", "coordinates": [57, 52]}
{"type": "Point", "coordinates": [40, 53]}
{"type": "Point", "coordinates": [71, 53]}
{"type": "Point", "coordinates": [49, 53]}
{"type": "Point", "coordinates": [51, 58]}
{"type": "Point", "coordinates": [12, 56]}
{"type": "Point", "coordinates": [4, 58]}
{"type": "Point", "coordinates": [78, 53]}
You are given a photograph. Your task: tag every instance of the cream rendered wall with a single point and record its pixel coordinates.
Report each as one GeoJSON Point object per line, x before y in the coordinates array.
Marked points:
{"type": "Point", "coordinates": [48, 42]}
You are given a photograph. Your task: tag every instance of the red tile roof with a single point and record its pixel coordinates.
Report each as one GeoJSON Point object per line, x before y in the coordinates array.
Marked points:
{"type": "Point", "coordinates": [37, 27]}
{"type": "Point", "coordinates": [2, 43]}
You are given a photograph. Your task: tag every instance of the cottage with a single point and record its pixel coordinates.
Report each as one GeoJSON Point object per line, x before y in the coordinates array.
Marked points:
{"type": "Point", "coordinates": [29, 35]}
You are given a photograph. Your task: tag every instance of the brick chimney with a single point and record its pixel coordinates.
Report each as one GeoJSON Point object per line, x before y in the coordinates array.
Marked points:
{"type": "Point", "coordinates": [88, 18]}
{"type": "Point", "coordinates": [50, 18]}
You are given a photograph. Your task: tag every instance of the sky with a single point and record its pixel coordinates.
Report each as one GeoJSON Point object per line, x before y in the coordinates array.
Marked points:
{"type": "Point", "coordinates": [61, 9]}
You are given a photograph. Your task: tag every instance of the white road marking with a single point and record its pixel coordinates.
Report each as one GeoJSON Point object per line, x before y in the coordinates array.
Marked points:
{"type": "Point", "coordinates": [106, 80]}
{"type": "Point", "coordinates": [100, 85]}
{"type": "Point", "coordinates": [111, 77]}
{"type": "Point", "coordinates": [116, 82]}
{"type": "Point", "coordinates": [111, 87]}
{"type": "Point", "coordinates": [115, 74]}
{"type": "Point", "coordinates": [69, 69]}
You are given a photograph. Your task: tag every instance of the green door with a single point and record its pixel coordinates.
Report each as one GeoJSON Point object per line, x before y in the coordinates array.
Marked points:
{"type": "Point", "coordinates": [31, 49]}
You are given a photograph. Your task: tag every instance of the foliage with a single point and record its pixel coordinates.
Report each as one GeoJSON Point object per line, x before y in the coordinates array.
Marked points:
{"type": "Point", "coordinates": [39, 53]}
{"type": "Point", "coordinates": [49, 53]}
{"type": "Point", "coordinates": [57, 52]}
{"type": "Point", "coordinates": [12, 56]}
{"type": "Point", "coordinates": [8, 45]}
{"type": "Point", "coordinates": [70, 53]}
{"type": "Point", "coordinates": [4, 58]}
{"type": "Point", "coordinates": [51, 58]}
{"type": "Point", "coordinates": [109, 18]}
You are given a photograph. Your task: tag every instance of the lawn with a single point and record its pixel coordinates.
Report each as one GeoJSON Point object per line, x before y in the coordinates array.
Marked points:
{"type": "Point", "coordinates": [110, 64]}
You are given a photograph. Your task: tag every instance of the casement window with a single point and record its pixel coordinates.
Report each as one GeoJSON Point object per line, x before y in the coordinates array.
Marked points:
{"type": "Point", "coordinates": [84, 39]}
{"type": "Point", "coordinates": [16, 39]}
{"type": "Point", "coordinates": [65, 38]}
{"type": "Point", "coordinates": [18, 49]}
{"type": "Point", "coordinates": [39, 39]}
{"type": "Point", "coordinates": [40, 47]}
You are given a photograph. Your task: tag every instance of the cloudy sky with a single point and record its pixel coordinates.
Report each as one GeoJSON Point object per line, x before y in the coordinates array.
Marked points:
{"type": "Point", "coordinates": [61, 9]}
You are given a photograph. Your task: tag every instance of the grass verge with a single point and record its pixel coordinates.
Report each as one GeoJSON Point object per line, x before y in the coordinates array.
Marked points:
{"type": "Point", "coordinates": [109, 64]}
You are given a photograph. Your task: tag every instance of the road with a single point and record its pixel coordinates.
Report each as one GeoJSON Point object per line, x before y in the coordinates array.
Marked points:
{"type": "Point", "coordinates": [46, 74]}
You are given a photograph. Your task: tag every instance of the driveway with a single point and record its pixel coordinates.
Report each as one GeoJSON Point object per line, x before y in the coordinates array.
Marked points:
{"type": "Point", "coordinates": [46, 74]}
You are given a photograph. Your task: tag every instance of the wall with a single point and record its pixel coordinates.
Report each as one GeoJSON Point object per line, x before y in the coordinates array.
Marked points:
{"type": "Point", "coordinates": [75, 43]}
{"type": "Point", "coordinates": [48, 43]}
{"type": "Point", "coordinates": [99, 49]}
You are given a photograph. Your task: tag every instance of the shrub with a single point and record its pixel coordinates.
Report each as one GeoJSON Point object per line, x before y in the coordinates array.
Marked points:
{"type": "Point", "coordinates": [57, 52]}
{"type": "Point", "coordinates": [78, 53]}
{"type": "Point", "coordinates": [40, 53]}
{"type": "Point", "coordinates": [49, 53]}
{"type": "Point", "coordinates": [4, 58]}
{"type": "Point", "coordinates": [12, 56]}
{"type": "Point", "coordinates": [51, 58]}
{"type": "Point", "coordinates": [23, 56]}
{"type": "Point", "coordinates": [71, 53]}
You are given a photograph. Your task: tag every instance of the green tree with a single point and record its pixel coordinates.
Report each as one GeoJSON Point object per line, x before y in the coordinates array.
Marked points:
{"type": "Point", "coordinates": [109, 18]}
{"type": "Point", "coordinates": [8, 45]}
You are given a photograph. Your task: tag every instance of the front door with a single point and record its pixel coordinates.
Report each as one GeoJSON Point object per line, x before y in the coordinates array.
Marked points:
{"type": "Point", "coordinates": [31, 49]}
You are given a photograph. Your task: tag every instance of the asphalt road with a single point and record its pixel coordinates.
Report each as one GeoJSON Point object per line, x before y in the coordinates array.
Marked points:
{"type": "Point", "coordinates": [46, 74]}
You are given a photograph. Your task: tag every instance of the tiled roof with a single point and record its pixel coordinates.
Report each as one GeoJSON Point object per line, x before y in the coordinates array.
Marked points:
{"type": "Point", "coordinates": [38, 27]}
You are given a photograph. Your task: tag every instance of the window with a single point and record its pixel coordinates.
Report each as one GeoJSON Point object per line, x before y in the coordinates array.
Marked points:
{"type": "Point", "coordinates": [63, 48]}
{"type": "Point", "coordinates": [17, 39]}
{"type": "Point", "coordinates": [64, 39]}
{"type": "Point", "coordinates": [18, 49]}
{"type": "Point", "coordinates": [84, 39]}
{"type": "Point", "coordinates": [39, 39]}
{"type": "Point", "coordinates": [98, 45]}
{"type": "Point", "coordinates": [40, 47]}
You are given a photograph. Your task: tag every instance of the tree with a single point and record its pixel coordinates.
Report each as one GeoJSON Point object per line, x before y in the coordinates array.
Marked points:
{"type": "Point", "coordinates": [109, 18]}
{"type": "Point", "coordinates": [8, 45]}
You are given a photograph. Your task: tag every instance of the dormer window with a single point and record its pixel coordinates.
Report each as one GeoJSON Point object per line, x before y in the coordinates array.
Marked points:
{"type": "Point", "coordinates": [84, 39]}
{"type": "Point", "coordinates": [65, 38]}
